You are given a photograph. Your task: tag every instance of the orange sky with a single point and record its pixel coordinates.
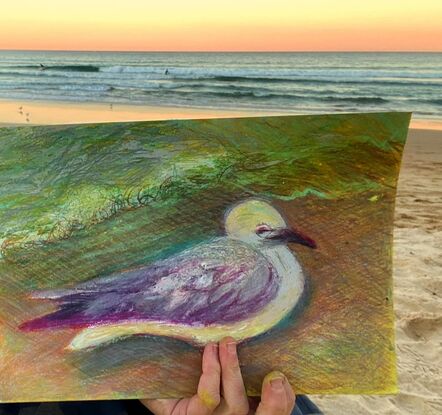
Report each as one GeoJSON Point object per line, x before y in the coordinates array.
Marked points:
{"type": "Point", "coordinates": [215, 25]}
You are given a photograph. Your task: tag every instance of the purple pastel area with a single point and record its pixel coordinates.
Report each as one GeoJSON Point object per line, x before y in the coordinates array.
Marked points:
{"type": "Point", "coordinates": [221, 282]}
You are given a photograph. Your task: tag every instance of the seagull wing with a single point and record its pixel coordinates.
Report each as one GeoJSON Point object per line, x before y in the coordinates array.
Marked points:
{"type": "Point", "coordinates": [219, 282]}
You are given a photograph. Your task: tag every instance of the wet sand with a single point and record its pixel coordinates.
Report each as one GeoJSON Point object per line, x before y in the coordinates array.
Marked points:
{"type": "Point", "coordinates": [39, 112]}
{"type": "Point", "coordinates": [46, 112]}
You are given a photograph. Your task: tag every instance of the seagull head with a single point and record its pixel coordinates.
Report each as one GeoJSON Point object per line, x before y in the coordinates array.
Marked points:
{"type": "Point", "coordinates": [257, 222]}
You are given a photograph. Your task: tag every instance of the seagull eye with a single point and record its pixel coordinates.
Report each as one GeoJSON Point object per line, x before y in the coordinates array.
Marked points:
{"type": "Point", "coordinates": [263, 229]}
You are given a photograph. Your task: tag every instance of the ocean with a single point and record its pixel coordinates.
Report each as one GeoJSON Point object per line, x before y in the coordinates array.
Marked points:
{"type": "Point", "coordinates": [298, 83]}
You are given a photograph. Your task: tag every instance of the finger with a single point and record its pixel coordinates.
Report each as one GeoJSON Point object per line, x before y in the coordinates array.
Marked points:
{"type": "Point", "coordinates": [234, 392]}
{"type": "Point", "coordinates": [208, 395]}
{"type": "Point", "coordinates": [273, 395]}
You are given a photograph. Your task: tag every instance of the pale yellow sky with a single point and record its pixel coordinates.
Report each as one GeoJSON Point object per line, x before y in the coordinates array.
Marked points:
{"type": "Point", "coordinates": [221, 25]}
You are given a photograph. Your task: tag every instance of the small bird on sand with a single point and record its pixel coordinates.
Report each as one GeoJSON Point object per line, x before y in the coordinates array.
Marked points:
{"type": "Point", "coordinates": [241, 284]}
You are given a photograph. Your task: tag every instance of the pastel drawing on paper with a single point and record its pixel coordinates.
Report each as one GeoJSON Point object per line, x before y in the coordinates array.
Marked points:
{"type": "Point", "coordinates": [244, 284]}
{"type": "Point", "coordinates": [125, 247]}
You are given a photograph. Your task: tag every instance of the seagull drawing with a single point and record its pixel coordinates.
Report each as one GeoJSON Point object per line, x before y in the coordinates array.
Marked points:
{"type": "Point", "coordinates": [241, 284]}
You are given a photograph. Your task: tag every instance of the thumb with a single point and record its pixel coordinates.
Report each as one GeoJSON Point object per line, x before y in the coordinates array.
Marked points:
{"type": "Point", "coordinates": [277, 397]}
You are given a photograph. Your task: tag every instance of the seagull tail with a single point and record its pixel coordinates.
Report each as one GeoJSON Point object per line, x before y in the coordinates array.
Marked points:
{"type": "Point", "coordinates": [59, 319]}
{"type": "Point", "coordinates": [67, 316]}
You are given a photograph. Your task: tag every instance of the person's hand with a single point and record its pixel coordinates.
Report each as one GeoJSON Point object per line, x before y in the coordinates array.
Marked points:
{"type": "Point", "coordinates": [221, 389]}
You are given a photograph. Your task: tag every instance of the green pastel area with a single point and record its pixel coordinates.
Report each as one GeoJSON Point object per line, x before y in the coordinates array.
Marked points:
{"type": "Point", "coordinates": [108, 196]}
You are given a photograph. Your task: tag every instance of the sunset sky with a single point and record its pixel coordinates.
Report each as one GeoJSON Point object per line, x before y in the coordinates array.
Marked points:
{"type": "Point", "coordinates": [213, 25]}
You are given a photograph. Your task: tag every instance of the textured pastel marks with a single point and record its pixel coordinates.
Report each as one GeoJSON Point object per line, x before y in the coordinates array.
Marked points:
{"type": "Point", "coordinates": [126, 246]}
{"type": "Point", "coordinates": [242, 285]}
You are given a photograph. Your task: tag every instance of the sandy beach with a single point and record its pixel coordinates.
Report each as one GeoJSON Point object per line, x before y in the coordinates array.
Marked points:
{"type": "Point", "coordinates": [417, 249]}
{"type": "Point", "coordinates": [46, 112]}
{"type": "Point", "coordinates": [40, 112]}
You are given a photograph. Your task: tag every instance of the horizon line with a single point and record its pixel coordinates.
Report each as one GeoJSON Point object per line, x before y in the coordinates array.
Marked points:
{"type": "Point", "coordinates": [220, 51]}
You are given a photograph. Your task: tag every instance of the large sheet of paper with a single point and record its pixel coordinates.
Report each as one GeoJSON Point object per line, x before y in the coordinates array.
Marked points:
{"type": "Point", "coordinates": [125, 247]}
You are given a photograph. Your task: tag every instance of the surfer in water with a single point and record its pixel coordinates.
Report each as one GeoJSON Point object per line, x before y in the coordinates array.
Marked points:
{"type": "Point", "coordinates": [166, 72]}
{"type": "Point", "coordinates": [42, 67]}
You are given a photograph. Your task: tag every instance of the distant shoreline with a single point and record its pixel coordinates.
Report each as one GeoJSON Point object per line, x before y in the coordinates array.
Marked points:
{"type": "Point", "coordinates": [16, 112]}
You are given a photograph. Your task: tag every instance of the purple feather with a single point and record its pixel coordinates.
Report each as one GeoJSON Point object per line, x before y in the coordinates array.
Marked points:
{"type": "Point", "coordinates": [219, 282]}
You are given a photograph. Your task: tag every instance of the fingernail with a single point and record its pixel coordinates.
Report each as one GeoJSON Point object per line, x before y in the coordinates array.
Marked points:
{"type": "Point", "coordinates": [275, 379]}
{"type": "Point", "coordinates": [231, 348]}
{"type": "Point", "coordinates": [277, 383]}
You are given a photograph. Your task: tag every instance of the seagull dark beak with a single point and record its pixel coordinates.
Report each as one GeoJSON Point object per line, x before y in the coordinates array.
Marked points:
{"type": "Point", "coordinates": [290, 236]}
